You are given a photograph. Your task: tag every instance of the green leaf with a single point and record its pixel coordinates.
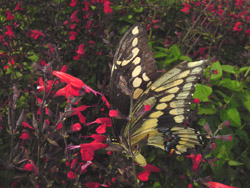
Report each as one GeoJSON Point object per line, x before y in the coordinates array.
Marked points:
{"type": "Point", "coordinates": [207, 109]}
{"type": "Point", "coordinates": [159, 55]}
{"type": "Point", "coordinates": [228, 68]}
{"type": "Point", "coordinates": [216, 67]}
{"type": "Point", "coordinates": [243, 69]}
{"type": "Point", "coordinates": [33, 57]}
{"type": "Point", "coordinates": [175, 50]}
{"type": "Point", "coordinates": [245, 99]}
{"type": "Point", "coordinates": [202, 92]}
{"type": "Point", "coordinates": [225, 97]}
{"type": "Point", "coordinates": [231, 114]}
{"type": "Point", "coordinates": [233, 85]}
{"type": "Point", "coordinates": [138, 10]}
{"type": "Point", "coordinates": [234, 163]}
{"type": "Point", "coordinates": [185, 58]}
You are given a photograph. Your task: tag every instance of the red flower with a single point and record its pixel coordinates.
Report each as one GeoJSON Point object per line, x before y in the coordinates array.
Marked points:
{"type": "Point", "coordinates": [50, 47]}
{"type": "Point", "coordinates": [77, 111]}
{"type": "Point", "coordinates": [28, 167]}
{"type": "Point", "coordinates": [215, 71]}
{"type": "Point", "coordinates": [9, 15]}
{"type": "Point", "coordinates": [105, 101]}
{"type": "Point", "coordinates": [107, 8]}
{"type": "Point", "coordinates": [227, 137]}
{"type": "Point", "coordinates": [97, 138]}
{"type": "Point", "coordinates": [18, 7]}
{"type": "Point", "coordinates": [59, 126]}
{"type": "Point", "coordinates": [73, 3]}
{"type": "Point", "coordinates": [84, 166]}
{"type": "Point", "coordinates": [87, 4]}
{"type": "Point", "coordinates": [113, 113]}
{"type": "Point", "coordinates": [75, 82]}
{"type": "Point", "coordinates": [196, 101]}
{"type": "Point", "coordinates": [105, 122]}
{"type": "Point", "coordinates": [41, 86]}
{"type": "Point", "coordinates": [25, 124]}
{"type": "Point", "coordinates": [237, 26]}
{"type": "Point", "coordinates": [76, 127]}
{"type": "Point", "coordinates": [35, 34]}
{"type": "Point", "coordinates": [91, 42]}
{"type": "Point", "coordinates": [88, 149]}
{"type": "Point", "coordinates": [212, 184]}
{"type": "Point", "coordinates": [73, 17]}
{"type": "Point", "coordinates": [9, 31]}
{"type": "Point", "coordinates": [94, 185]}
{"type": "Point", "coordinates": [143, 176]}
{"type": "Point", "coordinates": [71, 175]}
{"type": "Point", "coordinates": [72, 35]}
{"type": "Point", "coordinates": [31, 167]}
{"type": "Point", "coordinates": [24, 136]}
{"type": "Point", "coordinates": [247, 32]}
{"type": "Point", "coordinates": [80, 49]}
{"type": "Point", "coordinates": [186, 8]}
{"type": "Point", "coordinates": [196, 160]}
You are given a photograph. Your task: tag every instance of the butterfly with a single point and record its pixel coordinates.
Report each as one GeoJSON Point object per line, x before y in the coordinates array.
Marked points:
{"type": "Point", "coordinates": [136, 86]}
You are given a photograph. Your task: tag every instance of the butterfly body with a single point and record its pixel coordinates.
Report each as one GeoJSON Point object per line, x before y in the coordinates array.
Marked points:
{"type": "Point", "coordinates": [135, 83]}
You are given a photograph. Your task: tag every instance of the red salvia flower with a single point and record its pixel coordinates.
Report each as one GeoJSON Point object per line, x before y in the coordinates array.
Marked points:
{"type": "Point", "coordinates": [227, 137]}
{"type": "Point", "coordinates": [143, 176]}
{"type": "Point", "coordinates": [41, 86]}
{"type": "Point", "coordinates": [196, 160]}
{"type": "Point", "coordinates": [17, 8]}
{"type": "Point", "coordinates": [71, 175]}
{"type": "Point", "coordinates": [72, 35]}
{"type": "Point", "coordinates": [31, 167]}
{"type": "Point", "coordinates": [86, 6]}
{"type": "Point", "coordinates": [84, 166]}
{"type": "Point", "coordinates": [196, 101]}
{"type": "Point", "coordinates": [237, 26]}
{"type": "Point", "coordinates": [107, 8]}
{"type": "Point", "coordinates": [26, 125]}
{"type": "Point", "coordinates": [186, 8]}
{"type": "Point", "coordinates": [113, 113]}
{"type": "Point", "coordinates": [76, 127]}
{"type": "Point", "coordinates": [247, 32]}
{"type": "Point", "coordinates": [73, 87]}
{"type": "Point", "coordinates": [97, 137]}
{"type": "Point", "coordinates": [9, 15]}
{"type": "Point", "coordinates": [59, 126]}
{"type": "Point", "coordinates": [80, 49]}
{"type": "Point", "coordinates": [212, 184]}
{"type": "Point", "coordinates": [28, 167]}
{"type": "Point", "coordinates": [73, 17]}
{"type": "Point", "coordinates": [73, 3]}
{"type": "Point", "coordinates": [94, 185]}
{"type": "Point", "coordinates": [24, 136]}
{"type": "Point", "coordinates": [9, 31]}
{"type": "Point", "coordinates": [35, 34]}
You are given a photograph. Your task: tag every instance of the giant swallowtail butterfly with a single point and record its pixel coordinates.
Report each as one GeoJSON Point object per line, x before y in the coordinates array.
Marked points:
{"type": "Point", "coordinates": [135, 83]}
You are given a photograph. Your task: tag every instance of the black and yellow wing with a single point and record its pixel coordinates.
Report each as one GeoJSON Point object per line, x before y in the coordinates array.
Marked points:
{"type": "Point", "coordinates": [169, 96]}
{"type": "Point", "coordinates": [133, 65]}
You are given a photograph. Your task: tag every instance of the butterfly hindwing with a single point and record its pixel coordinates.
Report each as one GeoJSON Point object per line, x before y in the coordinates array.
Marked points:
{"type": "Point", "coordinates": [169, 97]}
{"type": "Point", "coordinates": [134, 67]}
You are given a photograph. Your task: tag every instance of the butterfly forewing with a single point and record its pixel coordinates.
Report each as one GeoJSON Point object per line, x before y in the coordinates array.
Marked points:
{"type": "Point", "coordinates": [133, 68]}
